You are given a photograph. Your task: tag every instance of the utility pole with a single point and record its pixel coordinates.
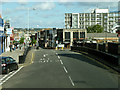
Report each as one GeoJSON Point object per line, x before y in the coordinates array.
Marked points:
{"type": "Point", "coordinates": [28, 18]}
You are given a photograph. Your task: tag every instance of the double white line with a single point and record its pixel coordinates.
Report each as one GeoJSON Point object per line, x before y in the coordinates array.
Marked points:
{"type": "Point", "coordinates": [9, 76]}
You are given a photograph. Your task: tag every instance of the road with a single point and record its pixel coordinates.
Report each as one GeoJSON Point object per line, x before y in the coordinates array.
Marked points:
{"type": "Point", "coordinates": [63, 69]}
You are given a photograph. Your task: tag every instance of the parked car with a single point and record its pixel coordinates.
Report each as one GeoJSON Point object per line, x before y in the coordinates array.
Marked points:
{"type": "Point", "coordinates": [8, 64]}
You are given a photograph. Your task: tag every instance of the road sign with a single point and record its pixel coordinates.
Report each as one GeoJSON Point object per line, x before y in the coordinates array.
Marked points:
{"type": "Point", "coordinates": [9, 31]}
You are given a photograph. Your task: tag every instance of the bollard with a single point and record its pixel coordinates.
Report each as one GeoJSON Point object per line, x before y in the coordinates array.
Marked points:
{"type": "Point", "coordinates": [62, 48]}
{"type": "Point", "coordinates": [56, 48]}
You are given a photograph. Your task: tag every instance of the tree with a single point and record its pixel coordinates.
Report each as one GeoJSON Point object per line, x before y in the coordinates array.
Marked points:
{"type": "Point", "coordinates": [21, 40]}
{"type": "Point", "coordinates": [33, 41]}
{"type": "Point", "coordinates": [95, 29]}
{"type": "Point", "coordinates": [14, 42]}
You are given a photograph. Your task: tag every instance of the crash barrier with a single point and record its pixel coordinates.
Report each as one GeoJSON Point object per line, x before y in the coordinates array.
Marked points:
{"type": "Point", "coordinates": [102, 47]}
{"type": "Point", "coordinates": [114, 48]}
{"type": "Point", "coordinates": [110, 47]}
{"type": "Point", "coordinates": [91, 45]}
{"type": "Point", "coordinates": [115, 60]}
{"type": "Point", "coordinates": [22, 57]}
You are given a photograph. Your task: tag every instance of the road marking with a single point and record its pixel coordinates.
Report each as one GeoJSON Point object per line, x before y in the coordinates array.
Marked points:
{"type": "Point", "coordinates": [11, 75]}
{"type": "Point", "coordinates": [32, 58]}
{"type": "Point", "coordinates": [71, 81]}
{"type": "Point", "coordinates": [44, 55]}
{"type": "Point", "coordinates": [58, 57]}
{"type": "Point", "coordinates": [47, 61]}
{"type": "Point", "coordinates": [5, 76]}
{"type": "Point", "coordinates": [65, 69]}
{"type": "Point", "coordinates": [61, 62]}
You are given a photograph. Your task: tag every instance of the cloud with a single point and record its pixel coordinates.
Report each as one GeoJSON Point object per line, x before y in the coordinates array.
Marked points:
{"type": "Point", "coordinates": [21, 8]}
{"type": "Point", "coordinates": [11, 11]}
{"type": "Point", "coordinates": [23, 2]}
{"type": "Point", "coordinates": [45, 6]}
{"type": "Point", "coordinates": [62, 0]}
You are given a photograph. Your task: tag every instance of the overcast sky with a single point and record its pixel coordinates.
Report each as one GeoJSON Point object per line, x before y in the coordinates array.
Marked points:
{"type": "Point", "coordinates": [48, 14]}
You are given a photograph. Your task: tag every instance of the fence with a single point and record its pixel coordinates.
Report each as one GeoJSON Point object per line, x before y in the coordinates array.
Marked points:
{"type": "Point", "coordinates": [22, 57]}
{"type": "Point", "coordinates": [115, 60]}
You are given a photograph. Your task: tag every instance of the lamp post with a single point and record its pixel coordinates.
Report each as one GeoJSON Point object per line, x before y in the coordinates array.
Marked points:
{"type": "Point", "coordinates": [37, 36]}
{"type": "Point", "coordinates": [28, 19]}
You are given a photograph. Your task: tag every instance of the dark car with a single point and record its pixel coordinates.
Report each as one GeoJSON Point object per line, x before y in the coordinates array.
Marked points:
{"type": "Point", "coordinates": [8, 64]}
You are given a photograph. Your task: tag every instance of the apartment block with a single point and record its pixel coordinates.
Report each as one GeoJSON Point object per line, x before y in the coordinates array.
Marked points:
{"type": "Point", "coordinates": [103, 17]}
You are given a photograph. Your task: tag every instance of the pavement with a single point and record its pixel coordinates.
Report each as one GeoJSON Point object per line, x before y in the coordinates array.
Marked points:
{"type": "Point", "coordinates": [47, 68]}
{"type": "Point", "coordinates": [14, 54]}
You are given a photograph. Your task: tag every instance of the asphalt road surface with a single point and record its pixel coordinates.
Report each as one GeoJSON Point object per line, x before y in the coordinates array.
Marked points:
{"type": "Point", "coordinates": [63, 69]}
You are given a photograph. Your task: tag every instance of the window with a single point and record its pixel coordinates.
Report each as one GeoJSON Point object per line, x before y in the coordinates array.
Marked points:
{"type": "Point", "coordinates": [116, 14]}
{"type": "Point", "coordinates": [8, 60]}
{"type": "Point", "coordinates": [105, 16]}
{"type": "Point", "coordinates": [111, 19]}
{"type": "Point", "coordinates": [3, 60]}
{"type": "Point", "coordinates": [67, 35]}
{"type": "Point", "coordinates": [82, 34]}
{"type": "Point", "coordinates": [75, 35]}
{"type": "Point", "coordinates": [111, 15]}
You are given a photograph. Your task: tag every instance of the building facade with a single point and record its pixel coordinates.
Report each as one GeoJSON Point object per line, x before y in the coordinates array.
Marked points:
{"type": "Point", "coordinates": [68, 36]}
{"type": "Point", "coordinates": [103, 37]}
{"type": "Point", "coordinates": [103, 17]}
{"type": "Point", "coordinates": [2, 36]}
{"type": "Point", "coordinates": [47, 37]}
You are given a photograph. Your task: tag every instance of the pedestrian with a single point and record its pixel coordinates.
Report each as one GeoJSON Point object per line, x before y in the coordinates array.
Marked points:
{"type": "Point", "coordinates": [13, 46]}
{"type": "Point", "coordinates": [10, 47]}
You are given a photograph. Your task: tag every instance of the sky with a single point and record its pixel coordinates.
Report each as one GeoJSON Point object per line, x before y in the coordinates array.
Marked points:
{"type": "Point", "coordinates": [48, 14]}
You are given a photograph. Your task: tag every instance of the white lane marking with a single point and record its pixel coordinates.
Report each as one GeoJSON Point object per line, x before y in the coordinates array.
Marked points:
{"type": "Point", "coordinates": [44, 55]}
{"type": "Point", "coordinates": [65, 69]}
{"type": "Point", "coordinates": [71, 81]}
{"type": "Point", "coordinates": [11, 75]}
{"type": "Point", "coordinates": [58, 57]}
{"type": "Point", "coordinates": [47, 61]}
{"type": "Point", "coordinates": [5, 76]}
{"type": "Point", "coordinates": [61, 62]}
{"type": "Point", "coordinates": [43, 61]}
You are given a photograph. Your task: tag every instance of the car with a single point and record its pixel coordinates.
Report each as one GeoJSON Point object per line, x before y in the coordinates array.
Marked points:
{"type": "Point", "coordinates": [8, 64]}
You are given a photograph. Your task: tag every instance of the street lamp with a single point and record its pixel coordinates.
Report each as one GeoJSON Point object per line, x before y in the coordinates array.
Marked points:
{"type": "Point", "coordinates": [28, 17]}
{"type": "Point", "coordinates": [37, 35]}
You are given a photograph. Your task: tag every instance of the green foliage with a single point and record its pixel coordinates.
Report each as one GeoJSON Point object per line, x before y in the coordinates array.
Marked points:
{"type": "Point", "coordinates": [95, 29]}
{"type": "Point", "coordinates": [21, 40]}
{"type": "Point", "coordinates": [14, 41]}
{"type": "Point", "coordinates": [33, 41]}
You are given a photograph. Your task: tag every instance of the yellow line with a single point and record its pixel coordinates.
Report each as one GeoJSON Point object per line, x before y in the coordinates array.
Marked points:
{"type": "Point", "coordinates": [98, 62]}
{"type": "Point", "coordinates": [32, 58]}
{"type": "Point", "coordinates": [30, 61]}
